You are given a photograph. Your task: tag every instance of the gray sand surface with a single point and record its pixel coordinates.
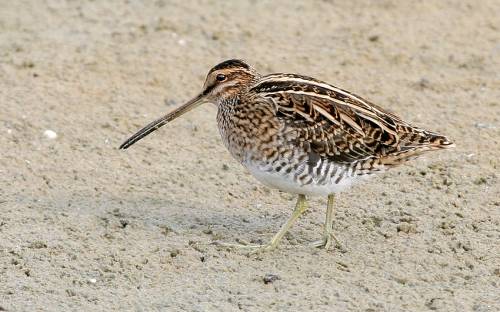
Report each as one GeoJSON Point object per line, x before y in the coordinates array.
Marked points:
{"type": "Point", "coordinates": [86, 227]}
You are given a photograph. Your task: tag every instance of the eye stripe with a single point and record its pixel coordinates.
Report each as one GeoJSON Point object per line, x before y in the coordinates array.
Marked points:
{"type": "Point", "coordinates": [208, 89]}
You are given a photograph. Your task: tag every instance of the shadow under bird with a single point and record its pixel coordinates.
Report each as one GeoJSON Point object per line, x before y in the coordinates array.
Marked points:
{"type": "Point", "coordinates": [302, 135]}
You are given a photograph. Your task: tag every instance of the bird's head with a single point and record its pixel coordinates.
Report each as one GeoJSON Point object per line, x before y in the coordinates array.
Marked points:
{"type": "Point", "coordinates": [224, 81]}
{"type": "Point", "coordinates": [227, 80]}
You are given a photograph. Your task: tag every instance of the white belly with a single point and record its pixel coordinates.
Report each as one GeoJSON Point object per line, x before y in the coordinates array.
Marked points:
{"type": "Point", "coordinates": [287, 184]}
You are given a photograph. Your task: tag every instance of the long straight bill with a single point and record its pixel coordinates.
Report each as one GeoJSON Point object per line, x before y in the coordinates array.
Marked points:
{"type": "Point", "coordinates": [162, 121]}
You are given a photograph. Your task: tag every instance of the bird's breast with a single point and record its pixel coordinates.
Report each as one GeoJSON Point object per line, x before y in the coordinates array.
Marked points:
{"type": "Point", "coordinates": [249, 131]}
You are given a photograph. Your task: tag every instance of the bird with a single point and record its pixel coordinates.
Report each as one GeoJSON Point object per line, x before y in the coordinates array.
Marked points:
{"type": "Point", "coordinates": [302, 136]}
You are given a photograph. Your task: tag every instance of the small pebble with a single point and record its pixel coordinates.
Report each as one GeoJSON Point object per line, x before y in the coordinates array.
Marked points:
{"type": "Point", "coordinates": [49, 134]}
{"type": "Point", "coordinates": [181, 42]}
{"type": "Point", "coordinates": [480, 180]}
{"type": "Point", "coordinates": [407, 228]}
{"type": "Point", "coordinates": [92, 280]}
{"type": "Point", "coordinates": [38, 245]}
{"type": "Point", "coordinates": [481, 125]}
{"type": "Point", "coordinates": [424, 83]}
{"type": "Point", "coordinates": [170, 102]}
{"type": "Point", "coordinates": [174, 253]}
{"type": "Point", "coordinates": [269, 278]}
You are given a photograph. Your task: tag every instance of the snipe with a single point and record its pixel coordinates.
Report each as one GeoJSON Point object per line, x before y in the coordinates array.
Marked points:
{"type": "Point", "coordinates": [302, 135]}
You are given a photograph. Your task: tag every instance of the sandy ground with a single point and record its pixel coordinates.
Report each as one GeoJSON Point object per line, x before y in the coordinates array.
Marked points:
{"type": "Point", "coordinates": [84, 226]}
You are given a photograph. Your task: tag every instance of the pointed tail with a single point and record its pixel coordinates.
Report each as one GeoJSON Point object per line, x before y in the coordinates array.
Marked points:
{"type": "Point", "coordinates": [415, 145]}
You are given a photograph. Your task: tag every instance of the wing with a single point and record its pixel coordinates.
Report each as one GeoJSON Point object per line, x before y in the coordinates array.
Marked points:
{"type": "Point", "coordinates": [337, 124]}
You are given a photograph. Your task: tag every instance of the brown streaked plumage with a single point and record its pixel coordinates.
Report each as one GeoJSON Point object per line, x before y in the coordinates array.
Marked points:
{"type": "Point", "coordinates": [303, 135]}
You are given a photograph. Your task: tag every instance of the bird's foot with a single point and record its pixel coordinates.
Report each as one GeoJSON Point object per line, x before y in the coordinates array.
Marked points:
{"type": "Point", "coordinates": [326, 242]}
{"type": "Point", "coordinates": [252, 248]}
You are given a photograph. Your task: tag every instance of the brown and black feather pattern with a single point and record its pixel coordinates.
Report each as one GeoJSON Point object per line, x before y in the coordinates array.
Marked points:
{"type": "Point", "coordinates": [339, 126]}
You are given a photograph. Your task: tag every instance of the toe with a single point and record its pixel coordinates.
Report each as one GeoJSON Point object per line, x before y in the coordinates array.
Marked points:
{"type": "Point", "coordinates": [318, 244]}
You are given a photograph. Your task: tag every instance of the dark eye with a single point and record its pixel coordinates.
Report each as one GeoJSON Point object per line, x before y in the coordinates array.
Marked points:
{"type": "Point", "coordinates": [220, 77]}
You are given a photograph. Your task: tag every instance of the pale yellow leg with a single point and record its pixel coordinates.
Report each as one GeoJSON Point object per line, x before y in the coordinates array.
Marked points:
{"type": "Point", "coordinates": [328, 235]}
{"type": "Point", "coordinates": [300, 207]}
